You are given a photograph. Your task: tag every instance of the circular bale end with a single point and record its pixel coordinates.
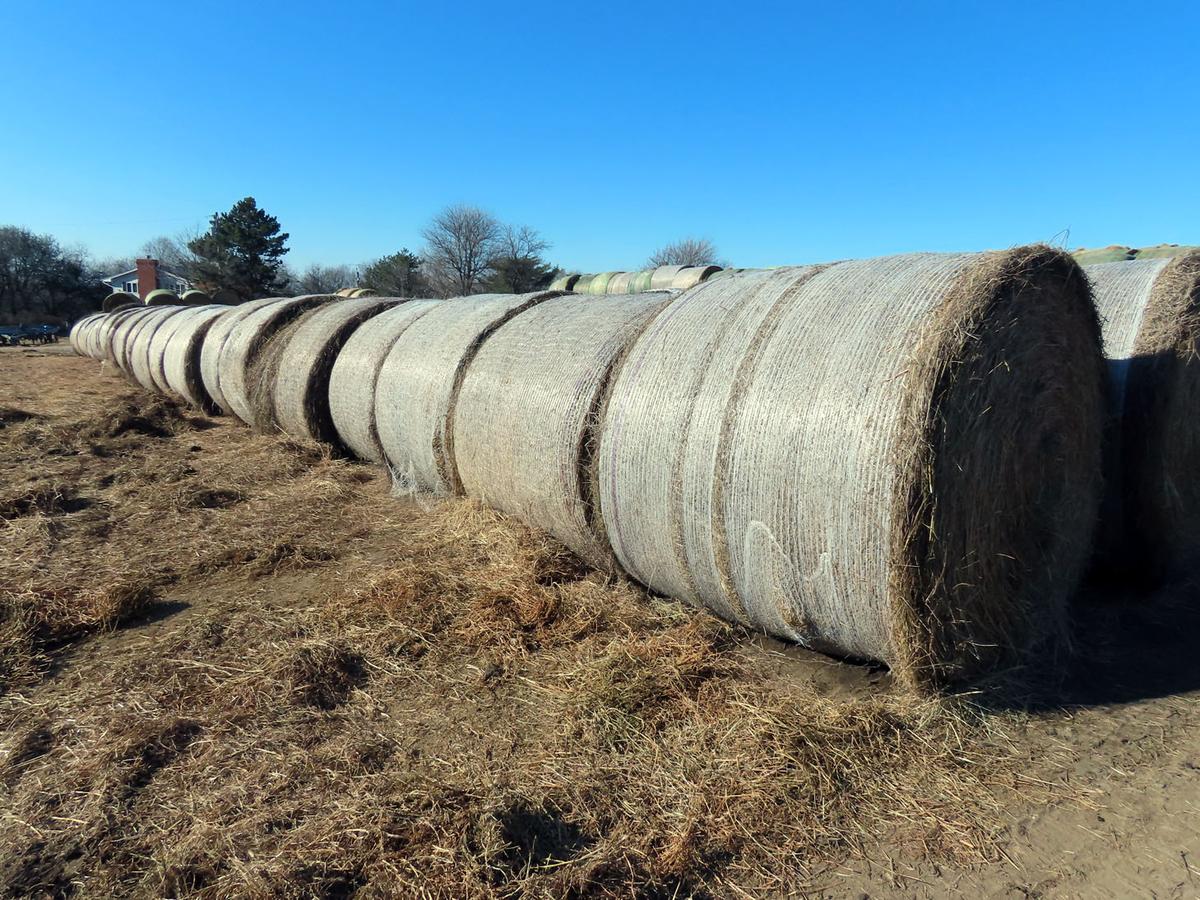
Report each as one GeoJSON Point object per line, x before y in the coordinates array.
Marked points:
{"type": "Point", "coordinates": [195, 298]}
{"type": "Point", "coordinates": [162, 297]}
{"type": "Point", "coordinates": [1000, 480]}
{"type": "Point", "coordinates": [354, 375]}
{"type": "Point", "coordinates": [1151, 313]}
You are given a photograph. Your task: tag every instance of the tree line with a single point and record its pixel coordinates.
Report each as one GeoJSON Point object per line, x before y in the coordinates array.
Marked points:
{"type": "Point", "coordinates": [467, 250]}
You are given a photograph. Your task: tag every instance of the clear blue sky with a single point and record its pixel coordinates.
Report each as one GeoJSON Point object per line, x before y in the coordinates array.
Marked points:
{"type": "Point", "coordinates": [786, 133]}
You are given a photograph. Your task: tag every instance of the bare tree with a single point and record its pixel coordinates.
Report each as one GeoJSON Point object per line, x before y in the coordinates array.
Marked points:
{"type": "Point", "coordinates": [319, 279]}
{"type": "Point", "coordinates": [518, 266]}
{"type": "Point", "coordinates": [173, 253]}
{"type": "Point", "coordinates": [687, 252]}
{"type": "Point", "coordinates": [461, 244]}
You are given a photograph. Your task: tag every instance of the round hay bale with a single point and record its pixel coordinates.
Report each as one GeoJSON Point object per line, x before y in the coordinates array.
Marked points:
{"type": "Point", "coordinates": [564, 283]}
{"type": "Point", "coordinates": [599, 283]}
{"type": "Point", "coordinates": [641, 282]}
{"type": "Point", "coordinates": [1163, 251]}
{"type": "Point", "coordinates": [619, 283]}
{"type": "Point", "coordinates": [583, 284]}
{"type": "Point", "coordinates": [181, 358]}
{"type": "Point", "coordinates": [161, 340]}
{"type": "Point", "coordinates": [894, 459]}
{"type": "Point", "coordinates": [120, 298]}
{"type": "Point", "coordinates": [343, 292]}
{"type": "Point", "coordinates": [225, 297]}
{"type": "Point", "coordinates": [354, 375]}
{"type": "Point", "coordinates": [76, 336]}
{"type": "Point", "coordinates": [1151, 314]}
{"type": "Point", "coordinates": [213, 347]}
{"type": "Point", "coordinates": [360, 293]}
{"type": "Point", "coordinates": [300, 388]}
{"type": "Point", "coordinates": [417, 387]}
{"type": "Point", "coordinates": [195, 298]}
{"type": "Point", "coordinates": [162, 297]}
{"type": "Point", "coordinates": [141, 356]}
{"type": "Point", "coordinates": [526, 418]}
{"type": "Point", "coordinates": [128, 339]}
{"type": "Point", "coordinates": [110, 329]}
{"type": "Point", "coordinates": [693, 275]}
{"type": "Point", "coordinates": [242, 373]}
{"type": "Point", "coordinates": [663, 277]}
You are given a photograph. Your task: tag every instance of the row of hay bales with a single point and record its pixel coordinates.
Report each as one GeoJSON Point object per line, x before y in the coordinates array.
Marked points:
{"type": "Point", "coordinates": [119, 300]}
{"type": "Point", "coordinates": [1120, 253]}
{"type": "Point", "coordinates": [355, 292]}
{"type": "Point", "coordinates": [896, 459]}
{"type": "Point", "coordinates": [679, 278]}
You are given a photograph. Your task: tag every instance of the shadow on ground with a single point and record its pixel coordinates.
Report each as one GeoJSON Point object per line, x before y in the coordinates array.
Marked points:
{"type": "Point", "coordinates": [1128, 645]}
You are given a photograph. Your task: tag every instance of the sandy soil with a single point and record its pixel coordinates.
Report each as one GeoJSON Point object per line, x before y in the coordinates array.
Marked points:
{"type": "Point", "coordinates": [453, 696]}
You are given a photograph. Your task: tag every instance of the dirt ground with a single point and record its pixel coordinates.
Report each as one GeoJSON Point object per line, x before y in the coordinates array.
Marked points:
{"type": "Point", "coordinates": [231, 665]}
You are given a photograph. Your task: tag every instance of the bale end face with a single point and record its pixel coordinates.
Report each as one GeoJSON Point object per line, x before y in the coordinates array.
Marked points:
{"type": "Point", "coordinates": [1000, 480]}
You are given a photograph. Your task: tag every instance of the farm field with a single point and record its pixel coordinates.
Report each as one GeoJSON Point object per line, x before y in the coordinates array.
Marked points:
{"type": "Point", "coordinates": [232, 665]}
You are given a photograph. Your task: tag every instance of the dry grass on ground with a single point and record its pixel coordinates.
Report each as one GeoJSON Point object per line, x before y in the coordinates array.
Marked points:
{"type": "Point", "coordinates": [234, 666]}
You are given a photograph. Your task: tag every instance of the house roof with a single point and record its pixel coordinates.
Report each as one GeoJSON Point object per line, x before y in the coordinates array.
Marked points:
{"type": "Point", "coordinates": [161, 271]}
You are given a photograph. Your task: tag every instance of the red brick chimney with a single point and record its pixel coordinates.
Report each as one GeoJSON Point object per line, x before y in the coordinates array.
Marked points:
{"type": "Point", "coordinates": [147, 275]}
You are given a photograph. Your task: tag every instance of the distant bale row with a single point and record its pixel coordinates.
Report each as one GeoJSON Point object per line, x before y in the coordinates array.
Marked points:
{"type": "Point", "coordinates": [896, 459]}
{"type": "Point", "coordinates": [1121, 253]}
{"type": "Point", "coordinates": [119, 300]}
{"type": "Point", "coordinates": [679, 278]}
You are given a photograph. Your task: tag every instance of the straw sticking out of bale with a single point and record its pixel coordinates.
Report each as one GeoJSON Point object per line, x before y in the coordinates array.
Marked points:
{"type": "Point", "coordinates": [1151, 314]}
{"type": "Point", "coordinates": [525, 422]}
{"type": "Point", "coordinates": [181, 358]}
{"type": "Point", "coordinates": [213, 348]}
{"type": "Point", "coordinates": [354, 375]}
{"type": "Point", "coordinates": [241, 368]}
{"type": "Point", "coordinates": [418, 384]}
{"type": "Point", "coordinates": [300, 385]}
{"type": "Point", "coordinates": [832, 454]}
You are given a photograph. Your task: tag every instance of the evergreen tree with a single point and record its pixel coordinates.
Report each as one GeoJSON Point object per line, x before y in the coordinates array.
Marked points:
{"type": "Point", "coordinates": [395, 275]}
{"type": "Point", "coordinates": [241, 252]}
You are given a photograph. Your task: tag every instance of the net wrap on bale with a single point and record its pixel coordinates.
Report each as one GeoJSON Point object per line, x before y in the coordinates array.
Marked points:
{"type": "Point", "coordinates": [418, 383]}
{"type": "Point", "coordinates": [893, 459]}
{"type": "Point", "coordinates": [526, 418]}
{"type": "Point", "coordinates": [181, 358]}
{"type": "Point", "coordinates": [356, 371]}
{"type": "Point", "coordinates": [1151, 314]}
{"type": "Point", "coordinates": [300, 386]}
{"type": "Point", "coordinates": [213, 347]}
{"type": "Point", "coordinates": [245, 362]}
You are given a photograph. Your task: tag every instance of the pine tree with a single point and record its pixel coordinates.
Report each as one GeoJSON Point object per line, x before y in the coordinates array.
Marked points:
{"type": "Point", "coordinates": [242, 252]}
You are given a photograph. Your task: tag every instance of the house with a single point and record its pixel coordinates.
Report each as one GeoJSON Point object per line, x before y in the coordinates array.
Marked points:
{"type": "Point", "coordinates": [146, 277]}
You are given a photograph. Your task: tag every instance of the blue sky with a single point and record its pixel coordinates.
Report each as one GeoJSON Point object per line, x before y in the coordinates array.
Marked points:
{"type": "Point", "coordinates": [786, 133]}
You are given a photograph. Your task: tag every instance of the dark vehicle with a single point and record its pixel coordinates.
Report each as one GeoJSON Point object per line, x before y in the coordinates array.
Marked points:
{"type": "Point", "coordinates": [16, 335]}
